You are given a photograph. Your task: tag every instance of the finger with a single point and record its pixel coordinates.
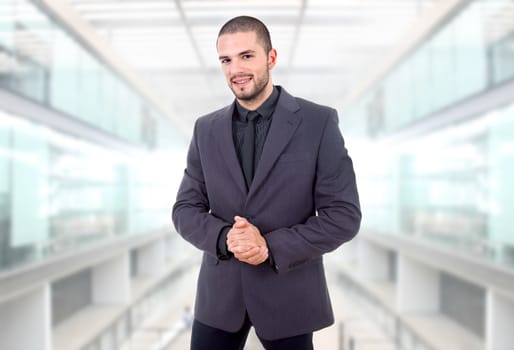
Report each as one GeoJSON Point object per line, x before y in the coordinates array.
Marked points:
{"type": "Point", "coordinates": [258, 259]}
{"type": "Point", "coordinates": [241, 249]}
{"type": "Point", "coordinates": [250, 255]}
{"type": "Point", "coordinates": [246, 254]}
{"type": "Point", "coordinates": [241, 240]}
{"type": "Point", "coordinates": [263, 253]}
{"type": "Point", "coordinates": [238, 250]}
{"type": "Point", "coordinates": [246, 242]}
{"type": "Point", "coordinates": [261, 257]}
{"type": "Point", "coordinates": [236, 233]}
{"type": "Point", "coordinates": [254, 256]}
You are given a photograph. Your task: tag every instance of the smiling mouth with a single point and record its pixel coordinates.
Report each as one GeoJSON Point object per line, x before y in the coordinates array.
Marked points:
{"type": "Point", "coordinates": [241, 81]}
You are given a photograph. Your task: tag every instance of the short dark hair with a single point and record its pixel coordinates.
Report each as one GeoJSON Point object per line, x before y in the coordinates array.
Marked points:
{"type": "Point", "coordinates": [248, 24]}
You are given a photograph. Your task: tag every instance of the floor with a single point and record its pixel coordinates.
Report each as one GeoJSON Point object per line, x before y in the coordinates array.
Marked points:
{"type": "Point", "coordinates": [170, 328]}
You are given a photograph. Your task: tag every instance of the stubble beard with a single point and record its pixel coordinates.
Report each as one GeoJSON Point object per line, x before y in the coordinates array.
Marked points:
{"type": "Point", "coordinates": [260, 84]}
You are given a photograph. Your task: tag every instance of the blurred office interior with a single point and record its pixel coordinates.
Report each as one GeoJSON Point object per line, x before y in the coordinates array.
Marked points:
{"type": "Point", "coordinates": [97, 103]}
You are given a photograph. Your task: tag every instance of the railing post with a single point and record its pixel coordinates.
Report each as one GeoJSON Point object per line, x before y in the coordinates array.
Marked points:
{"type": "Point", "coordinates": [341, 335]}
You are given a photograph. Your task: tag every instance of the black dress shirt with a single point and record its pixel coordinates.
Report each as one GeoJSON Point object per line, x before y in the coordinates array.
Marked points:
{"type": "Point", "coordinates": [239, 123]}
{"type": "Point", "coordinates": [262, 125]}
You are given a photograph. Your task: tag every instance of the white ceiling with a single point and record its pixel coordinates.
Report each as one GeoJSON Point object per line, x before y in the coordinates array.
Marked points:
{"type": "Point", "coordinates": [325, 47]}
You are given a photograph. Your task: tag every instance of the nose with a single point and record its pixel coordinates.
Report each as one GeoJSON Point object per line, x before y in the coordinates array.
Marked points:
{"type": "Point", "coordinates": [235, 67]}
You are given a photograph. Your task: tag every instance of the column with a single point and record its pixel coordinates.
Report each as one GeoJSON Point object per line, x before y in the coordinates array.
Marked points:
{"type": "Point", "coordinates": [25, 322]}
{"type": "Point", "coordinates": [373, 261]}
{"type": "Point", "coordinates": [151, 259]}
{"type": "Point", "coordinates": [111, 281]}
{"type": "Point", "coordinates": [417, 287]}
{"type": "Point", "coordinates": [499, 321]}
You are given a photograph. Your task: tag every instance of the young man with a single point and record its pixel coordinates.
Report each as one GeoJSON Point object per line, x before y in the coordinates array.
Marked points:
{"type": "Point", "coordinates": [268, 189]}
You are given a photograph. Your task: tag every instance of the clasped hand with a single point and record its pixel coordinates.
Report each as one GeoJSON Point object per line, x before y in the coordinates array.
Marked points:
{"type": "Point", "coordinates": [247, 244]}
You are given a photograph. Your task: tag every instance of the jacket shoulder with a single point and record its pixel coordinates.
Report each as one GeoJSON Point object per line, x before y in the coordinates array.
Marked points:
{"type": "Point", "coordinates": [310, 104]}
{"type": "Point", "coordinates": [214, 115]}
{"type": "Point", "coordinates": [317, 111]}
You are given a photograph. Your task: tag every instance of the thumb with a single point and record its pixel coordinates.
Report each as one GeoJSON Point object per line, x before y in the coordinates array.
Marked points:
{"type": "Point", "coordinates": [240, 221]}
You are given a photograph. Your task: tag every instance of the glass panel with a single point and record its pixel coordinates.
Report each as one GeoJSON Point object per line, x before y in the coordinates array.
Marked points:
{"type": "Point", "coordinates": [442, 66]}
{"type": "Point", "coordinates": [452, 187]}
{"type": "Point", "coordinates": [106, 108]}
{"type": "Point", "coordinates": [397, 105]}
{"type": "Point", "coordinates": [7, 8]}
{"type": "Point", "coordinates": [89, 89]}
{"type": "Point", "coordinates": [422, 80]}
{"type": "Point", "coordinates": [6, 42]}
{"type": "Point", "coordinates": [500, 154]}
{"type": "Point", "coordinates": [5, 189]}
{"type": "Point", "coordinates": [29, 187]}
{"type": "Point", "coordinates": [64, 84]}
{"type": "Point", "coordinates": [128, 121]}
{"type": "Point", "coordinates": [83, 180]}
{"type": "Point", "coordinates": [445, 178]}
{"type": "Point", "coordinates": [499, 29]}
{"type": "Point", "coordinates": [470, 69]}
{"type": "Point", "coordinates": [57, 192]}
{"type": "Point", "coordinates": [32, 48]}
{"type": "Point", "coordinates": [40, 60]}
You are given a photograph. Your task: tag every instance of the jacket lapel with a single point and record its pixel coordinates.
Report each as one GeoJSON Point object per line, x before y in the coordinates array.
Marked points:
{"type": "Point", "coordinates": [284, 124]}
{"type": "Point", "coordinates": [222, 129]}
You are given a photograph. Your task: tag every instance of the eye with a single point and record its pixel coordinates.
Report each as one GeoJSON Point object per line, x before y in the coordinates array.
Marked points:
{"type": "Point", "coordinates": [224, 61]}
{"type": "Point", "coordinates": [247, 56]}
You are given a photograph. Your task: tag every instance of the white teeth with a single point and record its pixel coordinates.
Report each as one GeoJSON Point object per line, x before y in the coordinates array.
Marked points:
{"type": "Point", "coordinates": [243, 81]}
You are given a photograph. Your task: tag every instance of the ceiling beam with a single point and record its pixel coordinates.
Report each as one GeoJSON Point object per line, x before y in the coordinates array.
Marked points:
{"type": "Point", "coordinates": [194, 43]}
{"type": "Point", "coordinates": [339, 21]}
{"type": "Point", "coordinates": [187, 27]}
{"type": "Point", "coordinates": [296, 35]}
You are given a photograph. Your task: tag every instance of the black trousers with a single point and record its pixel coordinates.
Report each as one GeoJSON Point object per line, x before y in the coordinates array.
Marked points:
{"type": "Point", "coordinates": [204, 337]}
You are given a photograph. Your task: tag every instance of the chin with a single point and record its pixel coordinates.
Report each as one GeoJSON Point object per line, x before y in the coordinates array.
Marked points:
{"type": "Point", "coordinates": [243, 95]}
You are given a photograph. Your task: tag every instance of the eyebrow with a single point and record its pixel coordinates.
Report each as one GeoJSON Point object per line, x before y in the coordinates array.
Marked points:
{"type": "Point", "coordinates": [239, 54]}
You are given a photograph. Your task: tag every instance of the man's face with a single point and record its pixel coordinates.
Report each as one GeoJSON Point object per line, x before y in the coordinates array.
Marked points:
{"type": "Point", "coordinates": [246, 66]}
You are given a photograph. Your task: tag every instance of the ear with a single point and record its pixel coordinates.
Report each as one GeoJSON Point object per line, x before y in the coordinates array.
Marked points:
{"type": "Point", "coordinates": [272, 58]}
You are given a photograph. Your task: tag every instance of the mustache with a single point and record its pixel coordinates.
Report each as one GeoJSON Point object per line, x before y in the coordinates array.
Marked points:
{"type": "Point", "coordinates": [239, 76]}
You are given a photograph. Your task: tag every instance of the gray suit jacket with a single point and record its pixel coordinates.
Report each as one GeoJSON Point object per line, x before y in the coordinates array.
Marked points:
{"type": "Point", "coordinates": [304, 200]}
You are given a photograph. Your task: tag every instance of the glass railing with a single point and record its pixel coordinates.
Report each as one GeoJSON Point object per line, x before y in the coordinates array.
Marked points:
{"type": "Point", "coordinates": [41, 60]}
{"type": "Point", "coordinates": [469, 54]}
{"type": "Point", "coordinates": [452, 187]}
{"type": "Point", "coordinates": [58, 193]}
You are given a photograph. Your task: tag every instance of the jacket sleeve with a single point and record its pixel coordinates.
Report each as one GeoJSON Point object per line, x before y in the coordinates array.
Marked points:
{"type": "Point", "coordinates": [191, 212]}
{"type": "Point", "coordinates": [337, 205]}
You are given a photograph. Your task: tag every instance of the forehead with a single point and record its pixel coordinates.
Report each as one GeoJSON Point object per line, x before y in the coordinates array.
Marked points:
{"type": "Point", "coordinates": [234, 43]}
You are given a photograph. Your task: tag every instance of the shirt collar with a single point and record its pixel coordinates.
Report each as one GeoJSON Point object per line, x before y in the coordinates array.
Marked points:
{"type": "Point", "coordinates": [265, 109]}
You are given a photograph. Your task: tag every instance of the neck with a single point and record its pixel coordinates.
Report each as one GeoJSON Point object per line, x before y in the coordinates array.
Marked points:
{"type": "Point", "coordinates": [256, 102]}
